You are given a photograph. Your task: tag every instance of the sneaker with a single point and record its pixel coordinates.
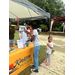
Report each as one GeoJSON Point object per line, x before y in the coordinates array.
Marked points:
{"type": "Point", "coordinates": [33, 70]}
{"type": "Point", "coordinates": [32, 65]}
{"type": "Point", "coordinates": [44, 61]}
{"type": "Point", "coordinates": [48, 64]}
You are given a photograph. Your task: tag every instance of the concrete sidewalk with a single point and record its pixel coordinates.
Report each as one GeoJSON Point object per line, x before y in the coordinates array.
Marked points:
{"type": "Point", "coordinates": [57, 66]}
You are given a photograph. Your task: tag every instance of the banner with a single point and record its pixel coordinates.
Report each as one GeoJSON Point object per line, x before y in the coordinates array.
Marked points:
{"type": "Point", "coordinates": [20, 59]}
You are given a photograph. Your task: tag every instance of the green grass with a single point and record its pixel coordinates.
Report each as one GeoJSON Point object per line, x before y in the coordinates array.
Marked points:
{"type": "Point", "coordinates": [27, 71]}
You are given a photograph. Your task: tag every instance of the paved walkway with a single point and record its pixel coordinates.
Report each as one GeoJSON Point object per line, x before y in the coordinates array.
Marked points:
{"type": "Point", "coordinates": [57, 66]}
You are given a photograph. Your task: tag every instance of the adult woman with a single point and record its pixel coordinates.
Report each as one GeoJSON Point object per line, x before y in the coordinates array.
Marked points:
{"type": "Point", "coordinates": [36, 42]}
{"type": "Point", "coordinates": [11, 32]}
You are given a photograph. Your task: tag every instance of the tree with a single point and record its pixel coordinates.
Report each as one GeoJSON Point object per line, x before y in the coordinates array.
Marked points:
{"type": "Point", "coordinates": [60, 8]}
{"type": "Point", "coordinates": [58, 26]}
{"type": "Point", "coordinates": [54, 7]}
{"type": "Point", "coordinates": [46, 28]}
{"type": "Point", "coordinates": [42, 26]}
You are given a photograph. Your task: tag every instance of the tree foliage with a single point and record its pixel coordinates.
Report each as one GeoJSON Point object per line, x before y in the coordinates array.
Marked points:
{"type": "Point", "coordinates": [58, 26]}
{"type": "Point", "coordinates": [54, 7]}
{"type": "Point", "coordinates": [43, 27]}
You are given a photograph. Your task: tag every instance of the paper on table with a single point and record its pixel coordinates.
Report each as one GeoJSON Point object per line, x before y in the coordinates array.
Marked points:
{"type": "Point", "coordinates": [20, 43]}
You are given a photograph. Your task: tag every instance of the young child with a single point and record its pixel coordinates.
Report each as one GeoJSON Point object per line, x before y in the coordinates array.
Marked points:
{"type": "Point", "coordinates": [29, 36]}
{"type": "Point", "coordinates": [48, 50]}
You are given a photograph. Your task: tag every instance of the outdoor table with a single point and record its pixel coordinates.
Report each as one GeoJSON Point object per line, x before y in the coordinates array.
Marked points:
{"type": "Point", "coordinates": [20, 59]}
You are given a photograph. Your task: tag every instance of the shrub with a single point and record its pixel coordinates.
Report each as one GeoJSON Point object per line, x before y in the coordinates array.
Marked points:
{"type": "Point", "coordinates": [58, 29]}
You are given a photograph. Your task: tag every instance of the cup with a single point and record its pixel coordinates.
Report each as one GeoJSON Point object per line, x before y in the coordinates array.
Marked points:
{"type": "Point", "coordinates": [27, 44]}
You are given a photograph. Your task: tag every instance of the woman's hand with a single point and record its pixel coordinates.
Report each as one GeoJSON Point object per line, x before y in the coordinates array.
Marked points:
{"type": "Point", "coordinates": [17, 19]}
{"type": "Point", "coordinates": [25, 30]}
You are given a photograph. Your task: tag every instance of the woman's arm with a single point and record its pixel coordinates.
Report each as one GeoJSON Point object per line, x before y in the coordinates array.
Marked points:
{"type": "Point", "coordinates": [17, 25]}
{"type": "Point", "coordinates": [33, 38]}
{"type": "Point", "coordinates": [27, 31]}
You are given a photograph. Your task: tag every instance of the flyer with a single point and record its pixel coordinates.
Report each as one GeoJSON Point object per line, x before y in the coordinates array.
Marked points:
{"type": "Point", "coordinates": [20, 44]}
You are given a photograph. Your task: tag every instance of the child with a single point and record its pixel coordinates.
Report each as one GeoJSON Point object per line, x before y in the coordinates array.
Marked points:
{"type": "Point", "coordinates": [29, 36]}
{"type": "Point", "coordinates": [48, 50]}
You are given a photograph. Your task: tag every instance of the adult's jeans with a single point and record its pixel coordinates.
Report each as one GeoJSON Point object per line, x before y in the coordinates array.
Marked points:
{"type": "Point", "coordinates": [35, 55]}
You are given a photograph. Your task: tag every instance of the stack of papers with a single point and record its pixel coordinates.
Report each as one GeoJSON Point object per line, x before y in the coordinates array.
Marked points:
{"type": "Point", "coordinates": [20, 44]}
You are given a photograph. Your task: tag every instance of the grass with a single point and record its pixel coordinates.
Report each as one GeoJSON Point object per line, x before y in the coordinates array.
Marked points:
{"type": "Point", "coordinates": [41, 56]}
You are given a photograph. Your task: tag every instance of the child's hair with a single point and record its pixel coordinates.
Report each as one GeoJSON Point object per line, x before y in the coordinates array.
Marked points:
{"type": "Point", "coordinates": [49, 37]}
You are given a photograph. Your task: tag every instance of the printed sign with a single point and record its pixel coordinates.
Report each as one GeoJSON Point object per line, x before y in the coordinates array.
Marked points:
{"type": "Point", "coordinates": [20, 43]}
{"type": "Point", "coordinates": [19, 63]}
{"type": "Point", "coordinates": [20, 59]}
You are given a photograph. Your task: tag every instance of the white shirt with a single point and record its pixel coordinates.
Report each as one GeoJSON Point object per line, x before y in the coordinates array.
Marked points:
{"type": "Point", "coordinates": [36, 42]}
{"type": "Point", "coordinates": [49, 50]}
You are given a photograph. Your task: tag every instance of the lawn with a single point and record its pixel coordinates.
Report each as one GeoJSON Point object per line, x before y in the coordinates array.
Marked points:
{"type": "Point", "coordinates": [41, 56]}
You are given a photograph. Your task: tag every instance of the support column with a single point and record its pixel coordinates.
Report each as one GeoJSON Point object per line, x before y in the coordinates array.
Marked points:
{"type": "Point", "coordinates": [49, 26]}
{"type": "Point", "coordinates": [64, 27]}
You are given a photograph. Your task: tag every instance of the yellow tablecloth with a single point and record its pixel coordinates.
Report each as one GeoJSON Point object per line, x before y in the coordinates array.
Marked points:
{"type": "Point", "coordinates": [20, 59]}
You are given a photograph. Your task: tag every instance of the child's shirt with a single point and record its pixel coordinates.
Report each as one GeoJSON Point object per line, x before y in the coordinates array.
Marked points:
{"type": "Point", "coordinates": [29, 38]}
{"type": "Point", "coordinates": [49, 50]}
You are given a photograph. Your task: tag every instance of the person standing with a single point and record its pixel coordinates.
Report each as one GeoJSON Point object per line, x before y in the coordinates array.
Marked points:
{"type": "Point", "coordinates": [12, 31]}
{"type": "Point", "coordinates": [48, 50]}
{"type": "Point", "coordinates": [36, 42]}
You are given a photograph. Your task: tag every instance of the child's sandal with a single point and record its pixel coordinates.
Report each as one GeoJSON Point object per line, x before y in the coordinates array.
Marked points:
{"type": "Point", "coordinates": [44, 61]}
{"type": "Point", "coordinates": [48, 64]}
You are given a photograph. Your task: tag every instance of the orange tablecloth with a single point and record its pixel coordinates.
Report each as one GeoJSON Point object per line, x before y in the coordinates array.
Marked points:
{"type": "Point", "coordinates": [20, 59]}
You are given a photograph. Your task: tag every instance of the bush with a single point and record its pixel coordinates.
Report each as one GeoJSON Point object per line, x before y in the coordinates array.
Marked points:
{"type": "Point", "coordinates": [61, 28]}
{"type": "Point", "coordinates": [58, 29]}
{"type": "Point", "coordinates": [43, 27]}
{"type": "Point", "coordinates": [58, 26]}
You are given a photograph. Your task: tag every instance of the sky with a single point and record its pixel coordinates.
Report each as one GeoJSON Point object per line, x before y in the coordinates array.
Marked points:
{"type": "Point", "coordinates": [63, 1]}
